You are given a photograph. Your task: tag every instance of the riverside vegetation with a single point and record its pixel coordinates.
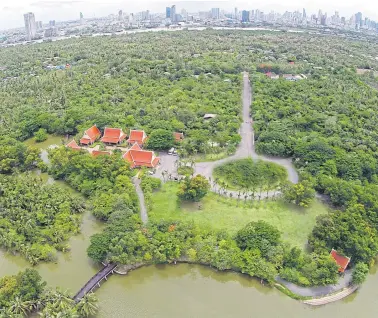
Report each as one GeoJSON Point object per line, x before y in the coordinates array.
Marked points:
{"type": "Point", "coordinates": [169, 81]}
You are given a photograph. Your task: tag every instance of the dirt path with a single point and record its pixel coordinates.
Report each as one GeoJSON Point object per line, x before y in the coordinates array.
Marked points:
{"type": "Point", "coordinates": [246, 148]}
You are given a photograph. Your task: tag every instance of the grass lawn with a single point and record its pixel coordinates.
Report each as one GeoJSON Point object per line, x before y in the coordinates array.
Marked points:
{"type": "Point", "coordinates": [294, 222]}
{"type": "Point", "coordinates": [211, 157]}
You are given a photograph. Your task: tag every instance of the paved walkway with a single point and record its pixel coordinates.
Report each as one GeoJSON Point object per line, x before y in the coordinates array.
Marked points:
{"type": "Point", "coordinates": [343, 282]}
{"type": "Point", "coordinates": [142, 204]}
{"type": "Point", "coordinates": [246, 148]}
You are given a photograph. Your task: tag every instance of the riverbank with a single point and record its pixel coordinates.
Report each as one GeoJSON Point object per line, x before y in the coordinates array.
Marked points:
{"type": "Point", "coordinates": [338, 291]}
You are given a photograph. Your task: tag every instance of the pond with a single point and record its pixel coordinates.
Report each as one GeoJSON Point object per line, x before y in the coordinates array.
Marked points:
{"type": "Point", "coordinates": [51, 141]}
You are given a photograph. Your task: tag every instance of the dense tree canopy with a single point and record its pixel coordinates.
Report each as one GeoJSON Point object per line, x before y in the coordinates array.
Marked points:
{"type": "Point", "coordinates": [37, 219]}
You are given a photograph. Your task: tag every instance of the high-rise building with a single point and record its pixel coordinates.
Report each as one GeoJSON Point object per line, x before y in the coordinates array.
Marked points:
{"type": "Point", "coordinates": [236, 13]}
{"type": "Point", "coordinates": [38, 25]}
{"type": "Point", "coordinates": [173, 13]}
{"type": "Point", "coordinates": [52, 23]}
{"type": "Point", "coordinates": [358, 19]}
{"type": "Point", "coordinates": [167, 12]}
{"type": "Point", "coordinates": [304, 15]}
{"type": "Point", "coordinates": [30, 26]}
{"type": "Point", "coordinates": [120, 15]}
{"type": "Point", "coordinates": [245, 16]}
{"type": "Point", "coordinates": [81, 16]}
{"type": "Point", "coordinates": [215, 13]}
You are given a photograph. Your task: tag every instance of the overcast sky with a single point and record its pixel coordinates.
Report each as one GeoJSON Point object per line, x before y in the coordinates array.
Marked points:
{"type": "Point", "coordinates": [11, 11]}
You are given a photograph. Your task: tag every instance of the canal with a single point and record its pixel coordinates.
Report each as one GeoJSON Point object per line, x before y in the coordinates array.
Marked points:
{"type": "Point", "coordinates": [184, 290]}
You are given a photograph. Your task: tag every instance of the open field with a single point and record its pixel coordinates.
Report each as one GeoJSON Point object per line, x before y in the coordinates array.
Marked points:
{"type": "Point", "coordinates": [294, 222]}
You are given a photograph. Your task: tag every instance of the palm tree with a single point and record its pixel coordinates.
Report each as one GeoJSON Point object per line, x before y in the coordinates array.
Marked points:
{"type": "Point", "coordinates": [60, 300]}
{"type": "Point", "coordinates": [20, 307]}
{"type": "Point", "coordinates": [88, 305]}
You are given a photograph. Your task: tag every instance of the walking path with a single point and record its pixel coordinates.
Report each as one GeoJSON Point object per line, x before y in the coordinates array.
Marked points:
{"type": "Point", "coordinates": [142, 204]}
{"type": "Point", "coordinates": [246, 148]}
{"type": "Point", "coordinates": [331, 298]}
{"type": "Point", "coordinates": [319, 291]}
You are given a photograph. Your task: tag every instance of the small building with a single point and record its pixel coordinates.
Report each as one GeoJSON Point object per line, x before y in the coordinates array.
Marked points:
{"type": "Point", "coordinates": [73, 145]}
{"type": "Point", "coordinates": [272, 75]}
{"type": "Point", "coordinates": [209, 116]}
{"type": "Point", "coordinates": [137, 136]}
{"type": "Point", "coordinates": [90, 135]}
{"type": "Point", "coordinates": [341, 261]}
{"type": "Point", "coordinates": [96, 153]}
{"type": "Point", "coordinates": [178, 136]}
{"type": "Point", "coordinates": [113, 135]}
{"type": "Point", "coordinates": [141, 158]}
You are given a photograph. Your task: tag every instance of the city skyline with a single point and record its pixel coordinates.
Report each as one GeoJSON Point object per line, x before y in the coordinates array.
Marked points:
{"type": "Point", "coordinates": [69, 9]}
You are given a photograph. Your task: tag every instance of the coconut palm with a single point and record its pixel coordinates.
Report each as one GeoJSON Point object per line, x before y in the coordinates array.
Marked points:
{"type": "Point", "coordinates": [60, 300]}
{"type": "Point", "coordinates": [20, 307]}
{"type": "Point", "coordinates": [87, 305]}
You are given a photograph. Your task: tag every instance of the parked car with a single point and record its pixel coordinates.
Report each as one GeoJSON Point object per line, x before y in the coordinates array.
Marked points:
{"type": "Point", "coordinates": [171, 151]}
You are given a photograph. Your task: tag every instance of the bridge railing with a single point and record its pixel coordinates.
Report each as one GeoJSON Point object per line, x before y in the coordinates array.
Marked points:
{"type": "Point", "coordinates": [94, 280]}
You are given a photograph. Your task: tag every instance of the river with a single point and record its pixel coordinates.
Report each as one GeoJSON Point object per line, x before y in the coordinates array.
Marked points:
{"type": "Point", "coordinates": [184, 290]}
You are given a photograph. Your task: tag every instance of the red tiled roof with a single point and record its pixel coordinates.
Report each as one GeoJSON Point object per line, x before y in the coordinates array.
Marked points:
{"type": "Point", "coordinates": [141, 158]}
{"type": "Point", "coordinates": [178, 136]}
{"type": "Point", "coordinates": [340, 260]}
{"type": "Point", "coordinates": [90, 135]}
{"type": "Point", "coordinates": [113, 135]}
{"type": "Point", "coordinates": [96, 153]}
{"type": "Point", "coordinates": [138, 136]}
{"type": "Point", "coordinates": [73, 145]}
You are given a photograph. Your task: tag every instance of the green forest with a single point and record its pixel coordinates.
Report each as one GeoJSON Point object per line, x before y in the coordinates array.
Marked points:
{"type": "Point", "coordinates": [325, 122]}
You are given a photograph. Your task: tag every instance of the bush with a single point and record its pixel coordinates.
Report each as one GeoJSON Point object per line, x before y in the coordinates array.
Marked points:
{"type": "Point", "coordinates": [40, 135]}
{"type": "Point", "coordinates": [360, 273]}
{"type": "Point", "coordinates": [150, 182]}
{"type": "Point", "coordinates": [294, 276]}
{"type": "Point", "coordinates": [185, 171]}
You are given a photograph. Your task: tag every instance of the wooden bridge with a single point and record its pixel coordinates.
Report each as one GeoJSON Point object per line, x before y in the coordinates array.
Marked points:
{"type": "Point", "coordinates": [95, 281]}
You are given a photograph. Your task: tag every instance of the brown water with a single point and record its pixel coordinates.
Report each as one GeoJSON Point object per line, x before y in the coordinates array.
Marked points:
{"type": "Point", "coordinates": [195, 291]}
{"type": "Point", "coordinates": [51, 141]}
{"type": "Point", "coordinates": [184, 290]}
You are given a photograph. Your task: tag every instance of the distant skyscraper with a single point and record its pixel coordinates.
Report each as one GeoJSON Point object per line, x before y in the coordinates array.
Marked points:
{"type": "Point", "coordinates": [358, 19]}
{"type": "Point", "coordinates": [52, 23]}
{"type": "Point", "coordinates": [215, 13]}
{"type": "Point", "coordinates": [167, 12]}
{"type": "Point", "coordinates": [38, 25]}
{"type": "Point", "coordinates": [173, 13]}
{"type": "Point", "coordinates": [81, 16]}
{"type": "Point", "coordinates": [245, 16]}
{"type": "Point", "coordinates": [30, 26]}
{"type": "Point", "coordinates": [236, 13]}
{"type": "Point", "coordinates": [304, 14]}
{"type": "Point", "coordinates": [120, 15]}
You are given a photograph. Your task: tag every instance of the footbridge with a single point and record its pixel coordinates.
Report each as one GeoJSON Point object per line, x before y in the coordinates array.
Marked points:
{"type": "Point", "coordinates": [95, 281]}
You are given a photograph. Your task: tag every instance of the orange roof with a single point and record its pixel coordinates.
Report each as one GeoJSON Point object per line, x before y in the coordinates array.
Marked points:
{"type": "Point", "coordinates": [178, 136]}
{"type": "Point", "coordinates": [138, 136]}
{"type": "Point", "coordinates": [113, 135]}
{"type": "Point", "coordinates": [96, 153]}
{"type": "Point", "coordinates": [141, 158]}
{"type": "Point", "coordinates": [73, 145]}
{"type": "Point", "coordinates": [90, 135]}
{"type": "Point", "coordinates": [340, 260]}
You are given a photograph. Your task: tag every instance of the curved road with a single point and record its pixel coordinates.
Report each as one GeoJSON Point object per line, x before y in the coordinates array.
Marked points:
{"type": "Point", "coordinates": [246, 148]}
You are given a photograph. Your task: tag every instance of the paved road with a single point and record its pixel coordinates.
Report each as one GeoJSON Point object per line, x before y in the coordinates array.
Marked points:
{"type": "Point", "coordinates": [246, 148]}
{"type": "Point", "coordinates": [142, 204]}
{"type": "Point", "coordinates": [343, 282]}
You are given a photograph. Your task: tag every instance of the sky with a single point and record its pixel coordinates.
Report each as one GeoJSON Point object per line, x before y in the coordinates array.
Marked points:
{"type": "Point", "coordinates": [11, 11]}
